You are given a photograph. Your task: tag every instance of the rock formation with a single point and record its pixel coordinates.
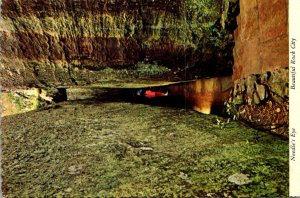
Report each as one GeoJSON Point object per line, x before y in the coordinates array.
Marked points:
{"type": "Point", "coordinates": [260, 95]}
{"type": "Point", "coordinates": [51, 43]}
{"type": "Point", "coordinates": [261, 39]}
{"type": "Point", "coordinates": [262, 101]}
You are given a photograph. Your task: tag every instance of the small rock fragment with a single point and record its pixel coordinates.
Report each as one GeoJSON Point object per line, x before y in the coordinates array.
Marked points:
{"type": "Point", "coordinates": [146, 149]}
{"type": "Point", "coordinates": [68, 190]}
{"type": "Point", "coordinates": [256, 98]}
{"type": "Point", "coordinates": [74, 169]}
{"type": "Point", "coordinates": [184, 177]}
{"type": "Point", "coordinates": [262, 92]}
{"type": "Point", "coordinates": [239, 179]}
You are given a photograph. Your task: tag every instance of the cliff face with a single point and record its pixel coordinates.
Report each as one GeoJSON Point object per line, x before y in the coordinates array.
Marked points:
{"type": "Point", "coordinates": [86, 41]}
{"type": "Point", "coordinates": [261, 39]}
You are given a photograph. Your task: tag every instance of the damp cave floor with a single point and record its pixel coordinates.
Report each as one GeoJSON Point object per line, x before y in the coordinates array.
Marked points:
{"type": "Point", "coordinates": [122, 149]}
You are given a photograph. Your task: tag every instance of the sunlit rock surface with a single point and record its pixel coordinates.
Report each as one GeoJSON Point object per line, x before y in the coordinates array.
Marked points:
{"type": "Point", "coordinates": [19, 101]}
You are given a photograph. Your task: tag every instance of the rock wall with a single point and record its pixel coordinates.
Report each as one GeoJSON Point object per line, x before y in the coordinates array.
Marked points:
{"type": "Point", "coordinates": [260, 74]}
{"type": "Point", "coordinates": [261, 39]}
{"type": "Point", "coordinates": [51, 43]}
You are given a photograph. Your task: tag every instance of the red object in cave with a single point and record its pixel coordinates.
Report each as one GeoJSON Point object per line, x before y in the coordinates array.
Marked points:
{"type": "Point", "coordinates": [153, 94]}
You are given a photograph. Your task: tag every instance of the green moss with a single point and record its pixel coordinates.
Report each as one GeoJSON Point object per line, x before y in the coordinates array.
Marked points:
{"type": "Point", "coordinates": [86, 149]}
{"type": "Point", "coordinates": [147, 70]}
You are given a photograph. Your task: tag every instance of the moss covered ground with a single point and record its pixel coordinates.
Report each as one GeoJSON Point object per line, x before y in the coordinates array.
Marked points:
{"type": "Point", "coordinates": [123, 149]}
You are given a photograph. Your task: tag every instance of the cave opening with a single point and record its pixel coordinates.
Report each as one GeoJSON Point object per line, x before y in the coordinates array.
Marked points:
{"type": "Point", "coordinates": [130, 95]}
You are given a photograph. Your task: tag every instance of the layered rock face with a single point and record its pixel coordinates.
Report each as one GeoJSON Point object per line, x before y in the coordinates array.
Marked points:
{"type": "Point", "coordinates": [261, 39]}
{"type": "Point", "coordinates": [51, 43]}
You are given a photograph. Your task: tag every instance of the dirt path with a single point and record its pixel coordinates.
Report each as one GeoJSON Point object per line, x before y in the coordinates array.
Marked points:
{"type": "Point", "coordinates": [119, 149]}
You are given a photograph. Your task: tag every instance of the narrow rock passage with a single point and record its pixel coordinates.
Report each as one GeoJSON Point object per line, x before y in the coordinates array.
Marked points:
{"type": "Point", "coordinates": [121, 149]}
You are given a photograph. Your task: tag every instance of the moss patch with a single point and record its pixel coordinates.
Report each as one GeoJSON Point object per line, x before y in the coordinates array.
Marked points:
{"type": "Point", "coordinates": [119, 149]}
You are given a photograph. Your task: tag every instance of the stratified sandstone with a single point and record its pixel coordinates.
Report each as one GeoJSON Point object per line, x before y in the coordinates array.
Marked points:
{"type": "Point", "coordinates": [51, 43]}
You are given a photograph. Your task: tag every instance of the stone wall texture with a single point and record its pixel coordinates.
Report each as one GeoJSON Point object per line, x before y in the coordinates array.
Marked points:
{"type": "Point", "coordinates": [261, 39]}
{"type": "Point", "coordinates": [262, 100]}
{"type": "Point", "coordinates": [63, 42]}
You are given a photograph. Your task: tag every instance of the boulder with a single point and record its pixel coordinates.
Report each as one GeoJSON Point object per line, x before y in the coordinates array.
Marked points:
{"type": "Point", "coordinates": [262, 92]}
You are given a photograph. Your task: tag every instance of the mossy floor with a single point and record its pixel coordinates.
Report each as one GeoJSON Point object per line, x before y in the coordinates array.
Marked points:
{"type": "Point", "coordinates": [120, 149]}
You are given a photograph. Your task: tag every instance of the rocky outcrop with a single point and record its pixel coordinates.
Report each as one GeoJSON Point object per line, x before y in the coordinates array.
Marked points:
{"type": "Point", "coordinates": [20, 101]}
{"type": "Point", "coordinates": [262, 101]}
{"type": "Point", "coordinates": [261, 39]}
{"type": "Point", "coordinates": [51, 43]}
